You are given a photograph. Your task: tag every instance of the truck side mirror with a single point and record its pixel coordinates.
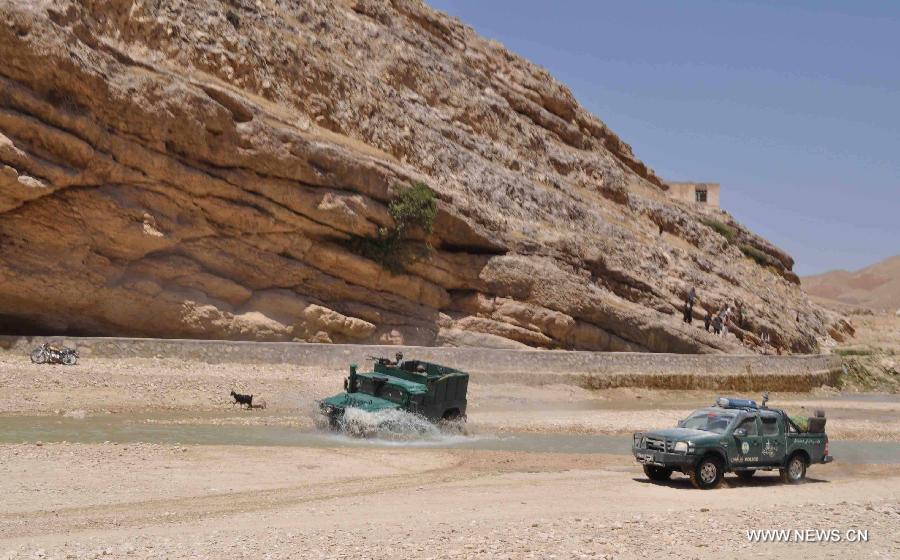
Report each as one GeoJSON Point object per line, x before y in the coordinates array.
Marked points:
{"type": "Point", "coordinates": [740, 432]}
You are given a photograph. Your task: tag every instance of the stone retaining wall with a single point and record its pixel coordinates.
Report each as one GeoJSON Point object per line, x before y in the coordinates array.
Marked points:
{"type": "Point", "coordinates": [594, 370]}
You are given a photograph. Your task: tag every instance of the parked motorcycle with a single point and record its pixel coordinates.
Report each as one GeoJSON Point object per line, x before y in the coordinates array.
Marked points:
{"type": "Point", "coordinates": [50, 354]}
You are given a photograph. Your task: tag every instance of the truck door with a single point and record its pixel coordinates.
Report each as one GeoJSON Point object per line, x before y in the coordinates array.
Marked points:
{"type": "Point", "coordinates": [440, 391]}
{"type": "Point", "coordinates": [747, 447]}
{"type": "Point", "coordinates": [772, 441]}
{"type": "Point", "coordinates": [451, 389]}
{"type": "Point", "coordinates": [417, 404]}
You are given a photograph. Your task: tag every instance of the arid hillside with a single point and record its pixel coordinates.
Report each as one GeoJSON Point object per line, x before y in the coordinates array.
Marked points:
{"type": "Point", "coordinates": [237, 170]}
{"type": "Point", "coordinates": [875, 287]}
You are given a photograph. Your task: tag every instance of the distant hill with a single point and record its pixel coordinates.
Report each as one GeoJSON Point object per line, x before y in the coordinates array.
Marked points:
{"type": "Point", "coordinates": [875, 287]}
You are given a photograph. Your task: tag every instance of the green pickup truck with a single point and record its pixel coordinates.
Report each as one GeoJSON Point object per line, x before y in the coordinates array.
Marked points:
{"type": "Point", "coordinates": [734, 435]}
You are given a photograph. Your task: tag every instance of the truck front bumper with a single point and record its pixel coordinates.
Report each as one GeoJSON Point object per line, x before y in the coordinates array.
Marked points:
{"type": "Point", "coordinates": [662, 459]}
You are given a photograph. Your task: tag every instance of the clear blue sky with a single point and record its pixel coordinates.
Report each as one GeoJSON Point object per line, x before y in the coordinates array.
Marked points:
{"type": "Point", "coordinates": [793, 106]}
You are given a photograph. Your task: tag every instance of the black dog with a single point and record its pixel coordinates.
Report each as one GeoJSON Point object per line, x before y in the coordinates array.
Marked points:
{"type": "Point", "coordinates": [242, 399]}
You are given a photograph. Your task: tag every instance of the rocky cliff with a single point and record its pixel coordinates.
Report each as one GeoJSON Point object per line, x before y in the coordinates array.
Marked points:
{"type": "Point", "coordinates": [203, 169]}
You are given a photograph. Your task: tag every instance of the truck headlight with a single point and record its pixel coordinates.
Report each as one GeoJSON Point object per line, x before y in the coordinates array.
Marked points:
{"type": "Point", "coordinates": [681, 447]}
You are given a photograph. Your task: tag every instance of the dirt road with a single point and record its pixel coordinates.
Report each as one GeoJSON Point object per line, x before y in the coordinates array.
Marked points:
{"type": "Point", "coordinates": [149, 500]}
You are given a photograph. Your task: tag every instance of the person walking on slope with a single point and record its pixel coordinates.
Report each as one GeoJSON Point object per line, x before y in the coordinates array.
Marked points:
{"type": "Point", "coordinates": [687, 314]}
{"type": "Point", "coordinates": [689, 306]}
{"type": "Point", "coordinates": [723, 317]}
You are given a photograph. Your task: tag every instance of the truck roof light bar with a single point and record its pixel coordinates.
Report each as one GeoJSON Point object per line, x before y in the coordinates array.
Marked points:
{"type": "Point", "coordinates": [743, 404]}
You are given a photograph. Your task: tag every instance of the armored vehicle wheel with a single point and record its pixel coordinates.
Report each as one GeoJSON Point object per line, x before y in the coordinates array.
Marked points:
{"type": "Point", "coordinates": [658, 474]}
{"type": "Point", "coordinates": [38, 356]}
{"type": "Point", "coordinates": [707, 473]}
{"type": "Point", "coordinates": [795, 471]}
{"type": "Point", "coordinates": [745, 475]}
{"type": "Point", "coordinates": [452, 422]}
{"type": "Point", "coordinates": [453, 415]}
{"type": "Point", "coordinates": [69, 359]}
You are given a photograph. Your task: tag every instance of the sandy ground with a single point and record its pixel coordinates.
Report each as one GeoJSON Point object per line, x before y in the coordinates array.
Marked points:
{"type": "Point", "coordinates": [876, 331]}
{"type": "Point", "coordinates": [146, 500]}
{"type": "Point", "coordinates": [872, 356]}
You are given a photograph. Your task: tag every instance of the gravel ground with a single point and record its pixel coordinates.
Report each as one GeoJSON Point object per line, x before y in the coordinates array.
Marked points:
{"type": "Point", "coordinates": [152, 501]}
{"type": "Point", "coordinates": [148, 500]}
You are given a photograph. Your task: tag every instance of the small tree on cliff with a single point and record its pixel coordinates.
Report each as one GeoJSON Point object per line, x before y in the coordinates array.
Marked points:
{"type": "Point", "coordinates": [414, 207]}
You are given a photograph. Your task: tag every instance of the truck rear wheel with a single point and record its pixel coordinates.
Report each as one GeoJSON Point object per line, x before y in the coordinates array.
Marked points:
{"type": "Point", "coordinates": [659, 474]}
{"type": "Point", "coordinates": [453, 415]}
{"type": "Point", "coordinates": [452, 422]}
{"type": "Point", "coordinates": [795, 470]}
{"type": "Point", "coordinates": [707, 473]}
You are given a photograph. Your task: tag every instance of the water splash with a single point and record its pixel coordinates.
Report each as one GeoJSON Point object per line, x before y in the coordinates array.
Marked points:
{"type": "Point", "coordinates": [396, 426]}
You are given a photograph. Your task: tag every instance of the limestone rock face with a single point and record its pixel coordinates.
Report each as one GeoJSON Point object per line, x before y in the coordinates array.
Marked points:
{"type": "Point", "coordinates": [197, 169]}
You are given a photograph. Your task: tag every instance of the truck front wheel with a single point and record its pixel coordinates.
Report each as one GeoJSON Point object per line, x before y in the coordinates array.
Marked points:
{"type": "Point", "coordinates": [659, 474]}
{"type": "Point", "coordinates": [39, 356]}
{"type": "Point", "coordinates": [707, 473]}
{"type": "Point", "coordinates": [795, 470]}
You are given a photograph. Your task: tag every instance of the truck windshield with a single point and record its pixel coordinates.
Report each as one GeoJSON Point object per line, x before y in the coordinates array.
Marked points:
{"type": "Point", "coordinates": [392, 393]}
{"type": "Point", "coordinates": [709, 420]}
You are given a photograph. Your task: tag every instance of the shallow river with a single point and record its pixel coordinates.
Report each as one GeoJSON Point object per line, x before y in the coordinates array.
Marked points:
{"type": "Point", "coordinates": [125, 428]}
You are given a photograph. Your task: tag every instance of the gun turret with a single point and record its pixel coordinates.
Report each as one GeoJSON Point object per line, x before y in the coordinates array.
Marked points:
{"type": "Point", "coordinates": [387, 361]}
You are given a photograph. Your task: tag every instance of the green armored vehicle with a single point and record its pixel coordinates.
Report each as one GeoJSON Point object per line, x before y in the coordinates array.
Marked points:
{"type": "Point", "coordinates": [430, 390]}
{"type": "Point", "coordinates": [734, 435]}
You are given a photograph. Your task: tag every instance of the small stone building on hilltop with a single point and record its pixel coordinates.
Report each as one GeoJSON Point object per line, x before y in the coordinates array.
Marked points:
{"type": "Point", "coordinates": [706, 194]}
